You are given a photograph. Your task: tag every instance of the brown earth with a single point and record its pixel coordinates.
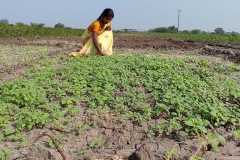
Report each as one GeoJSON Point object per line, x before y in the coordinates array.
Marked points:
{"type": "Point", "coordinates": [129, 43]}
{"type": "Point", "coordinates": [67, 45]}
{"type": "Point", "coordinates": [107, 136]}
{"type": "Point", "coordinates": [228, 51]}
{"type": "Point", "coordinates": [133, 42]}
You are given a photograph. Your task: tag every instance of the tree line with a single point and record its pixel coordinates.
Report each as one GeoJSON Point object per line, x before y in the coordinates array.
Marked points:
{"type": "Point", "coordinates": [173, 29]}
{"type": "Point", "coordinates": [33, 24]}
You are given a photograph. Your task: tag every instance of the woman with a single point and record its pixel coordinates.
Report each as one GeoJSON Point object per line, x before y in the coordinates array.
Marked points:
{"type": "Point", "coordinates": [98, 38]}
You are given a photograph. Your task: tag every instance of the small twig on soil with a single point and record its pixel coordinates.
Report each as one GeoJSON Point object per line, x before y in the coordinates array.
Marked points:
{"type": "Point", "coordinates": [201, 149]}
{"type": "Point", "coordinates": [141, 152]}
{"type": "Point", "coordinates": [21, 157]}
{"type": "Point", "coordinates": [229, 46]}
{"type": "Point", "coordinates": [58, 129]}
{"type": "Point", "coordinates": [7, 135]}
{"type": "Point", "coordinates": [60, 151]}
{"type": "Point", "coordinates": [111, 128]}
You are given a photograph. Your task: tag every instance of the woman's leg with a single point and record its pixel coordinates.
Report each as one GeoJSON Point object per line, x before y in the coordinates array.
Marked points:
{"type": "Point", "coordinates": [106, 42]}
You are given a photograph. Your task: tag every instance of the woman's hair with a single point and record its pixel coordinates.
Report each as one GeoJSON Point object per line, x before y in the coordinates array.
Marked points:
{"type": "Point", "coordinates": [108, 12]}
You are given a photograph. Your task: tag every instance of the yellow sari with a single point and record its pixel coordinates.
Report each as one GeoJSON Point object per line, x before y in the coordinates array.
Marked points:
{"type": "Point", "coordinates": [105, 41]}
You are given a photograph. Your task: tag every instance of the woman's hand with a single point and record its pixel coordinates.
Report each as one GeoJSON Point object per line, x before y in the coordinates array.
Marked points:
{"type": "Point", "coordinates": [96, 44]}
{"type": "Point", "coordinates": [100, 54]}
{"type": "Point", "coordinates": [108, 28]}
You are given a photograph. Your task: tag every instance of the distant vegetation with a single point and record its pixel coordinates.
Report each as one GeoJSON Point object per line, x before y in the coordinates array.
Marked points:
{"type": "Point", "coordinates": [36, 30]}
{"type": "Point", "coordinates": [60, 30]}
{"type": "Point", "coordinates": [173, 29]}
{"type": "Point", "coordinates": [4, 21]}
{"type": "Point", "coordinates": [219, 35]}
{"type": "Point", "coordinates": [59, 25]}
{"type": "Point", "coordinates": [170, 29]}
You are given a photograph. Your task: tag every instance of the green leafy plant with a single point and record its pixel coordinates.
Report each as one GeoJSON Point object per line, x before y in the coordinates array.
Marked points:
{"type": "Point", "coordinates": [186, 95]}
{"type": "Point", "coordinates": [4, 154]}
{"type": "Point", "coordinates": [214, 140]}
{"type": "Point", "coordinates": [197, 125]}
{"type": "Point", "coordinates": [236, 134]}
{"type": "Point", "coordinates": [23, 94]}
{"type": "Point", "coordinates": [28, 119]}
{"type": "Point", "coordinates": [196, 158]}
{"type": "Point", "coordinates": [96, 142]}
{"type": "Point", "coordinates": [171, 154]}
{"type": "Point", "coordinates": [81, 127]}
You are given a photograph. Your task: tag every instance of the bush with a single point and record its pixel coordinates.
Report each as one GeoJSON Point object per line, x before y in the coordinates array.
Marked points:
{"type": "Point", "coordinates": [4, 21]}
{"type": "Point", "coordinates": [35, 29]}
{"type": "Point", "coordinates": [196, 31]}
{"type": "Point", "coordinates": [219, 31]}
{"type": "Point", "coordinates": [170, 29]}
{"type": "Point", "coordinates": [39, 25]}
{"type": "Point", "coordinates": [59, 25]}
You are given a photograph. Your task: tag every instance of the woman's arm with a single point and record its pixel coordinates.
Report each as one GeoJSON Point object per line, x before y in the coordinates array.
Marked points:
{"type": "Point", "coordinates": [96, 44]}
{"type": "Point", "coordinates": [109, 27]}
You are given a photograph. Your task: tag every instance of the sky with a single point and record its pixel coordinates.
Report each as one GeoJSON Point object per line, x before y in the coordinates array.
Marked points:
{"type": "Point", "coordinates": [133, 14]}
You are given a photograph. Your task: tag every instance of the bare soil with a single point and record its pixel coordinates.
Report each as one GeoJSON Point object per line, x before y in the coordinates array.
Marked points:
{"type": "Point", "coordinates": [93, 135]}
{"type": "Point", "coordinates": [228, 51]}
{"type": "Point", "coordinates": [107, 136]}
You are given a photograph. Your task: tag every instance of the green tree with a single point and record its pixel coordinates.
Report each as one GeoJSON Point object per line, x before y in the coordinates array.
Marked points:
{"type": "Point", "coordinates": [196, 31]}
{"type": "Point", "coordinates": [20, 24]}
{"type": "Point", "coordinates": [170, 29]}
{"type": "Point", "coordinates": [4, 21]}
{"type": "Point", "coordinates": [234, 33]}
{"type": "Point", "coordinates": [185, 31]}
{"type": "Point", "coordinates": [219, 31]}
{"type": "Point", "coordinates": [59, 25]}
{"type": "Point", "coordinates": [160, 29]}
{"type": "Point", "coordinates": [40, 25]}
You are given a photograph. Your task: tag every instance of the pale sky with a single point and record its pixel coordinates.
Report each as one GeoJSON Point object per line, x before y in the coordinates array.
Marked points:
{"type": "Point", "coordinates": [135, 14]}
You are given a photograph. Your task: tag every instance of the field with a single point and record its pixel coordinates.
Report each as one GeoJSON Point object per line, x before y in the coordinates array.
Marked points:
{"type": "Point", "coordinates": [159, 97]}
